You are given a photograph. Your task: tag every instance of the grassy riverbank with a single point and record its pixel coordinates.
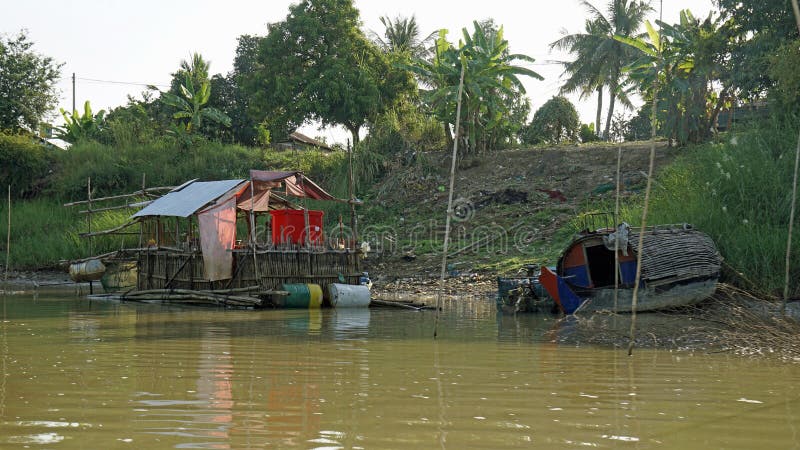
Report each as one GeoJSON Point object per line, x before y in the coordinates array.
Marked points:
{"type": "Point", "coordinates": [519, 206]}
{"type": "Point", "coordinates": [738, 191]}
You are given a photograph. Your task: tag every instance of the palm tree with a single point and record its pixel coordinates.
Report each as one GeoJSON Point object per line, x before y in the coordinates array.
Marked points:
{"type": "Point", "coordinates": [402, 35]}
{"type": "Point", "coordinates": [584, 74]}
{"type": "Point", "coordinates": [599, 56]}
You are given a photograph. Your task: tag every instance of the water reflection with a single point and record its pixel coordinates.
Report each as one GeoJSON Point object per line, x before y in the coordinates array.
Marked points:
{"type": "Point", "coordinates": [93, 375]}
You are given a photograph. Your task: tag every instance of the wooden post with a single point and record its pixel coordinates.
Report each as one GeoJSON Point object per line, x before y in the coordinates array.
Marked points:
{"type": "Point", "coordinates": [141, 222]}
{"type": "Point", "coordinates": [89, 221]}
{"type": "Point", "coordinates": [256, 272]}
{"type": "Point", "coordinates": [351, 195]}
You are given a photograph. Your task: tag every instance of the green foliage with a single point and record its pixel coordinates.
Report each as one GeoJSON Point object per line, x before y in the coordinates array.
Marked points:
{"type": "Point", "coordinates": [493, 106]}
{"type": "Point", "coordinates": [686, 59]}
{"type": "Point", "coordinates": [137, 122]}
{"type": "Point", "coordinates": [27, 83]}
{"type": "Point", "coordinates": [404, 129]}
{"type": "Point", "coordinates": [739, 193]}
{"type": "Point", "coordinates": [119, 169]}
{"type": "Point", "coordinates": [599, 57]}
{"type": "Point", "coordinates": [639, 127]}
{"type": "Point", "coordinates": [402, 35]}
{"type": "Point", "coordinates": [783, 69]}
{"type": "Point", "coordinates": [318, 65]}
{"type": "Point", "coordinates": [194, 94]}
{"type": "Point", "coordinates": [587, 134]}
{"type": "Point", "coordinates": [79, 126]}
{"type": "Point", "coordinates": [24, 163]}
{"type": "Point", "coordinates": [556, 121]}
{"type": "Point", "coordinates": [759, 28]}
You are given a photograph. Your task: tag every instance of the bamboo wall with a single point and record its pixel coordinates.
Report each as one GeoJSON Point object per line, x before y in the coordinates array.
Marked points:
{"type": "Point", "coordinates": [162, 269]}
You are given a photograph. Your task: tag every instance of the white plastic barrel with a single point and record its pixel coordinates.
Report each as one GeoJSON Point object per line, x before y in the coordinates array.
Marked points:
{"type": "Point", "coordinates": [90, 270]}
{"type": "Point", "coordinates": [348, 295]}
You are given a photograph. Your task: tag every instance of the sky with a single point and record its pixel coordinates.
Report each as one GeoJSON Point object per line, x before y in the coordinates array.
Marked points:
{"type": "Point", "coordinates": [115, 47]}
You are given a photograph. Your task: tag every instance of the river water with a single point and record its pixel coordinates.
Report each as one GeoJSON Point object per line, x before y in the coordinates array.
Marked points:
{"type": "Point", "coordinates": [98, 374]}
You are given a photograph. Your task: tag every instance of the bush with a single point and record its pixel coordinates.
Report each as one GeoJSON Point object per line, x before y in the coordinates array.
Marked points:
{"type": "Point", "coordinates": [24, 164]}
{"type": "Point", "coordinates": [556, 121]}
{"type": "Point", "coordinates": [587, 134]}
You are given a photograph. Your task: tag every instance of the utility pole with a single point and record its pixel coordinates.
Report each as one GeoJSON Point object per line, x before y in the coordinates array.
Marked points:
{"type": "Point", "coordinates": [73, 91]}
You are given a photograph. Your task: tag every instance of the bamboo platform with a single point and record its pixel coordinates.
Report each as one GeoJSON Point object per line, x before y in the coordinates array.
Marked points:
{"type": "Point", "coordinates": [269, 270]}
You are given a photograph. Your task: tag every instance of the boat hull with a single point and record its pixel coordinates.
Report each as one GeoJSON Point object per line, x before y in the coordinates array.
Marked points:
{"type": "Point", "coordinates": [649, 298]}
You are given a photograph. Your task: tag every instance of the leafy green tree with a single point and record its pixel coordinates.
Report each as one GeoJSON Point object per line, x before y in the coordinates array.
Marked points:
{"type": "Point", "coordinates": [599, 56]}
{"type": "Point", "coordinates": [195, 93]}
{"type": "Point", "coordinates": [78, 127]}
{"type": "Point", "coordinates": [555, 122]}
{"type": "Point", "coordinates": [318, 65]}
{"type": "Point", "coordinates": [759, 29]}
{"type": "Point", "coordinates": [27, 83]}
{"type": "Point", "coordinates": [783, 70]}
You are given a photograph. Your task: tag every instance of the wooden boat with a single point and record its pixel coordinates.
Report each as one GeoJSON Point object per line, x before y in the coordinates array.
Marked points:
{"type": "Point", "coordinates": [680, 267]}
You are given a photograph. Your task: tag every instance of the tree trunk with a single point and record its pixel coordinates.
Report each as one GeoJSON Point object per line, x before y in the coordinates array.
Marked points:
{"type": "Point", "coordinates": [712, 121]}
{"type": "Point", "coordinates": [448, 135]}
{"type": "Point", "coordinates": [353, 129]}
{"type": "Point", "coordinates": [598, 120]}
{"type": "Point", "coordinates": [612, 93]}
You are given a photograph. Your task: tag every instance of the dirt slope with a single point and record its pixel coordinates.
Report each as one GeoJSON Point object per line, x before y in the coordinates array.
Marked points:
{"type": "Point", "coordinates": [509, 207]}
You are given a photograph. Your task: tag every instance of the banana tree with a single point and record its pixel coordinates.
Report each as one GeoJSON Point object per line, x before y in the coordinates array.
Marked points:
{"type": "Point", "coordinates": [195, 92]}
{"type": "Point", "coordinates": [686, 60]}
{"type": "Point", "coordinates": [493, 90]}
{"type": "Point", "coordinates": [79, 126]}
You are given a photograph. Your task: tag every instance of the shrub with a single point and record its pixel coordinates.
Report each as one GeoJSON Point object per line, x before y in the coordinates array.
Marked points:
{"type": "Point", "coordinates": [24, 164]}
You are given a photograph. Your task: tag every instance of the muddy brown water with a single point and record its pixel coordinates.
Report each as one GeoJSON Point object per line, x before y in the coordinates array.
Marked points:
{"type": "Point", "coordinates": [97, 374]}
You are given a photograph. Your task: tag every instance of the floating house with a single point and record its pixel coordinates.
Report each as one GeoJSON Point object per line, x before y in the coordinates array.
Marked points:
{"type": "Point", "coordinates": [244, 242]}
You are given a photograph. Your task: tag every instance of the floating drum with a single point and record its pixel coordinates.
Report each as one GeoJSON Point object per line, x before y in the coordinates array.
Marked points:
{"type": "Point", "coordinates": [315, 296]}
{"type": "Point", "coordinates": [91, 270]}
{"type": "Point", "coordinates": [302, 295]}
{"type": "Point", "coordinates": [348, 295]}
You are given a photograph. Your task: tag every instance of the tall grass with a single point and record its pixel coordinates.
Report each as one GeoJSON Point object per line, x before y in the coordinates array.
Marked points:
{"type": "Point", "coordinates": [737, 191]}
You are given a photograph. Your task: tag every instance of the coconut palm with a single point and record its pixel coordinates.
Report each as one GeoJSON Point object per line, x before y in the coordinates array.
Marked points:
{"type": "Point", "coordinates": [599, 56]}
{"type": "Point", "coordinates": [402, 35]}
{"type": "Point", "coordinates": [584, 74]}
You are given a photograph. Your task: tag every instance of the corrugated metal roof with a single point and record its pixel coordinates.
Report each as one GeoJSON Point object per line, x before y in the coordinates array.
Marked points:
{"type": "Point", "coordinates": [189, 199]}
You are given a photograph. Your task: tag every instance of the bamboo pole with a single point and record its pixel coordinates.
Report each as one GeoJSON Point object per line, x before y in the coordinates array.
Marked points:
{"type": "Point", "coordinates": [796, 11]}
{"type": "Point", "coordinates": [8, 241]}
{"type": "Point", "coordinates": [145, 192]}
{"type": "Point", "coordinates": [449, 202]}
{"type": "Point", "coordinates": [616, 225]}
{"type": "Point", "coordinates": [638, 278]}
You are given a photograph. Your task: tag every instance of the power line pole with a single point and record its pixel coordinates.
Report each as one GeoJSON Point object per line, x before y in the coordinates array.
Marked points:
{"type": "Point", "coordinates": [73, 91]}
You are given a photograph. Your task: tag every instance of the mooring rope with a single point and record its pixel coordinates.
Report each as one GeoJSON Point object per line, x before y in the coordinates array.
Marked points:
{"type": "Point", "coordinates": [449, 203]}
